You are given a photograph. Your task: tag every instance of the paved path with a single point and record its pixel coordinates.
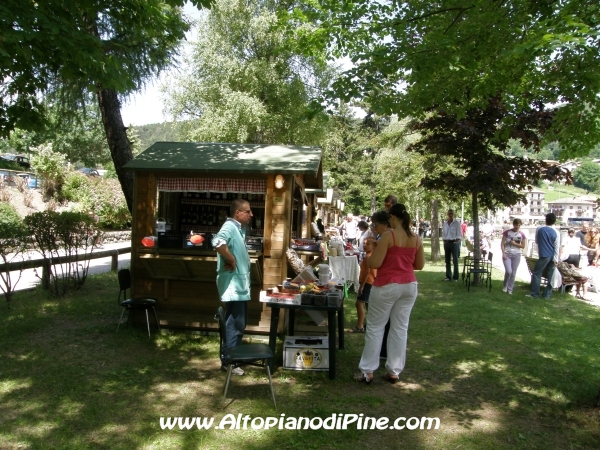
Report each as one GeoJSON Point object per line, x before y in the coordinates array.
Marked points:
{"type": "Point", "coordinates": [29, 278]}
{"type": "Point", "coordinates": [523, 272]}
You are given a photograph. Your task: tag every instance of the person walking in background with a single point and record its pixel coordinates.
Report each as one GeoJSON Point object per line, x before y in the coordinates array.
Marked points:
{"type": "Point", "coordinates": [512, 242]}
{"type": "Point", "coordinates": [421, 228]}
{"type": "Point", "coordinates": [389, 201]}
{"type": "Point", "coordinates": [398, 254]}
{"type": "Point", "coordinates": [547, 241]}
{"type": "Point", "coordinates": [349, 229]}
{"type": "Point", "coordinates": [581, 234]}
{"type": "Point", "coordinates": [569, 250]}
{"type": "Point", "coordinates": [592, 245]}
{"type": "Point", "coordinates": [452, 235]}
{"type": "Point", "coordinates": [365, 233]}
{"type": "Point", "coordinates": [233, 274]}
{"type": "Point", "coordinates": [366, 278]}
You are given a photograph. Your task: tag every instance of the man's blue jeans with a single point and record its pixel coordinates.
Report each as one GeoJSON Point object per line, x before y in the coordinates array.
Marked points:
{"type": "Point", "coordinates": [451, 251]}
{"type": "Point", "coordinates": [536, 276]}
{"type": "Point", "coordinates": [236, 315]}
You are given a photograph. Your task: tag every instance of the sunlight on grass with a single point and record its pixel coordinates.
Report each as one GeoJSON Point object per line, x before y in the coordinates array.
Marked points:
{"type": "Point", "coordinates": [544, 393]}
{"type": "Point", "coordinates": [8, 386]}
{"type": "Point", "coordinates": [69, 408]}
{"type": "Point", "coordinates": [499, 372]}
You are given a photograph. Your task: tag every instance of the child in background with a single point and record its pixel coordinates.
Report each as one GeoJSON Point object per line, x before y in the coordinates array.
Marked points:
{"type": "Point", "coordinates": [366, 278]}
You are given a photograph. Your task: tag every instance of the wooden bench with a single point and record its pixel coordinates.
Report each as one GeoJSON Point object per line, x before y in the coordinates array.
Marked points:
{"type": "Point", "coordinates": [566, 281]}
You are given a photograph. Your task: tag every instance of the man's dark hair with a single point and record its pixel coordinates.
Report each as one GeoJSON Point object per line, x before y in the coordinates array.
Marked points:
{"type": "Point", "coordinates": [390, 199]}
{"type": "Point", "coordinates": [237, 205]}
{"type": "Point", "coordinates": [382, 217]}
{"type": "Point", "coordinates": [550, 219]}
{"type": "Point", "coordinates": [363, 225]}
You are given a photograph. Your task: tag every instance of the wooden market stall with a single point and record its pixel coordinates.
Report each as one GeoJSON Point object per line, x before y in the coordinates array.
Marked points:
{"type": "Point", "coordinates": [187, 189]}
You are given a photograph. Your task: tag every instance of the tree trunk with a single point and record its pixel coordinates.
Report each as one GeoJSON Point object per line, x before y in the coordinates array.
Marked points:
{"type": "Point", "coordinates": [118, 143]}
{"type": "Point", "coordinates": [476, 240]}
{"type": "Point", "coordinates": [435, 232]}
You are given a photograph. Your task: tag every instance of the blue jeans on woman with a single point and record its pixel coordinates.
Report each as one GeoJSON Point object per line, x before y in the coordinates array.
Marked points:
{"type": "Point", "coordinates": [536, 276]}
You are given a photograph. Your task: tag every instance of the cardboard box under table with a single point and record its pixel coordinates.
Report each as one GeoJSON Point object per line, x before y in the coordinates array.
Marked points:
{"type": "Point", "coordinates": [306, 353]}
{"type": "Point", "coordinates": [332, 311]}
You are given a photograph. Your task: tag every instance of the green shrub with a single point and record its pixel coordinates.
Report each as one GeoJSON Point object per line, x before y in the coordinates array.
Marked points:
{"type": "Point", "coordinates": [13, 236]}
{"type": "Point", "coordinates": [9, 220]}
{"type": "Point", "coordinates": [57, 234]}
{"type": "Point", "coordinates": [77, 188]}
{"type": "Point", "coordinates": [109, 203]}
{"type": "Point", "coordinates": [51, 167]}
{"type": "Point", "coordinates": [99, 195]}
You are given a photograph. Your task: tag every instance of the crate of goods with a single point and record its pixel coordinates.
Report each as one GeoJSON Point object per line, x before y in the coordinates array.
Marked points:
{"type": "Point", "coordinates": [276, 297]}
{"type": "Point", "coordinates": [306, 353]}
{"type": "Point", "coordinates": [320, 299]}
{"type": "Point", "coordinates": [334, 297]}
{"type": "Point", "coordinates": [306, 244]}
{"type": "Point", "coordinates": [306, 299]}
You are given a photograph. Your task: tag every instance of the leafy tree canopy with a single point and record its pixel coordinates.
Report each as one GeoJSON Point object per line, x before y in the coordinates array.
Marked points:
{"type": "Point", "coordinates": [587, 176]}
{"type": "Point", "coordinates": [246, 83]}
{"type": "Point", "coordinates": [85, 44]}
{"type": "Point", "coordinates": [450, 55]}
{"type": "Point", "coordinates": [466, 155]}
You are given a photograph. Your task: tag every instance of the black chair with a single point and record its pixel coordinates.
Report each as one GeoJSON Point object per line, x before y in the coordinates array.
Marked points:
{"type": "Point", "coordinates": [259, 355]}
{"type": "Point", "coordinates": [128, 304]}
{"type": "Point", "coordinates": [468, 259]}
{"type": "Point", "coordinates": [482, 267]}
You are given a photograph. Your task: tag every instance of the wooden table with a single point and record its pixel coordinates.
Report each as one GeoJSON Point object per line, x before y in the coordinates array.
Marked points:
{"type": "Point", "coordinates": [331, 321]}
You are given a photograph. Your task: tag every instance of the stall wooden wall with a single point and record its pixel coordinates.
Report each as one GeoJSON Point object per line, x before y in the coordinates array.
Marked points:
{"type": "Point", "coordinates": [278, 218]}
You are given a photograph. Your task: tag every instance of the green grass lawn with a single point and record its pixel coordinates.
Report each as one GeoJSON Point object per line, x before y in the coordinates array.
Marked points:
{"type": "Point", "coordinates": [560, 191]}
{"type": "Point", "coordinates": [499, 371]}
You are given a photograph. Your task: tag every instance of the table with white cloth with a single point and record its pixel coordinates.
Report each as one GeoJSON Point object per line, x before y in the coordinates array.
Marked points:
{"type": "Point", "coordinates": [346, 268]}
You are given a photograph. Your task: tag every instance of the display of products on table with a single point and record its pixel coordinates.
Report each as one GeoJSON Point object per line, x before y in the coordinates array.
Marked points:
{"type": "Point", "coordinates": [305, 293]}
{"type": "Point", "coordinates": [306, 244]}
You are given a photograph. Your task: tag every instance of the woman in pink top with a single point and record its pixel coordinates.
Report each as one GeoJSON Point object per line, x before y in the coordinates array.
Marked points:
{"type": "Point", "coordinates": [398, 254]}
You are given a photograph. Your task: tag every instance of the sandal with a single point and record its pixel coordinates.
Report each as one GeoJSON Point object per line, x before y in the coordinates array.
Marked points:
{"type": "Point", "coordinates": [362, 377]}
{"type": "Point", "coordinates": [390, 378]}
{"type": "Point", "coordinates": [357, 330]}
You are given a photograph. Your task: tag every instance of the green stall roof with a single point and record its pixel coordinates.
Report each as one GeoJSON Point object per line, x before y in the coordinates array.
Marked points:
{"type": "Point", "coordinates": [209, 157]}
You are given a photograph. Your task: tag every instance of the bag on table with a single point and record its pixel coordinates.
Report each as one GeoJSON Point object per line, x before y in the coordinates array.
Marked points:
{"type": "Point", "coordinates": [556, 279]}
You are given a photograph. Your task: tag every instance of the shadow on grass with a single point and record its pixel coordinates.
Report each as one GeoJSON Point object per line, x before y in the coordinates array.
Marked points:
{"type": "Point", "coordinates": [499, 371]}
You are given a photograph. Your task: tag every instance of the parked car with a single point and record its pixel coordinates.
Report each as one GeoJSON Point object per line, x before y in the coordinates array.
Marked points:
{"type": "Point", "coordinates": [23, 161]}
{"type": "Point", "coordinates": [89, 172]}
{"type": "Point", "coordinates": [31, 180]}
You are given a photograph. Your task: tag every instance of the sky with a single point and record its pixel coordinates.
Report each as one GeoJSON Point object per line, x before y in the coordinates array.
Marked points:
{"type": "Point", "coordinates": [147, 106]}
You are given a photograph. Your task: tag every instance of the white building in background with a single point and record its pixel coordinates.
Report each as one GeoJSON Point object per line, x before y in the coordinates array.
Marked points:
{"type": "Point", "coordinates": [573, 207]}
{"type": "Point", "coordinates": [533, 211]}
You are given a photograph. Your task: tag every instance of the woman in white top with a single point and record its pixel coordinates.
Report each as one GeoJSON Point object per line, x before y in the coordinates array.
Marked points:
{"type": "Point", "coordinates": [569, 250]}
{"type": "Point", "coordinates": [512, 242]}
{"type": "Point", "coordinates": [364, 234]}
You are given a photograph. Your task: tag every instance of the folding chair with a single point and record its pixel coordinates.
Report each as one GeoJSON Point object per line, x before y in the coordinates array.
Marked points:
{"type": "Point", "coordinates": [468, 259]}
{"type": "Point", "coordinates": [483, 268]}
{"type": "Point", "coordinates": [128, 304]}
{"type": "Point", "coordinates": [259, 355]}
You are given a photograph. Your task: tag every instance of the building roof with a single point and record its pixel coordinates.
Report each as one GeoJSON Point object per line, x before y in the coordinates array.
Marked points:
{"type": "Point", "coordinates": [221, 158]}
{"type": "Point", "coordinates": [572, 200]}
